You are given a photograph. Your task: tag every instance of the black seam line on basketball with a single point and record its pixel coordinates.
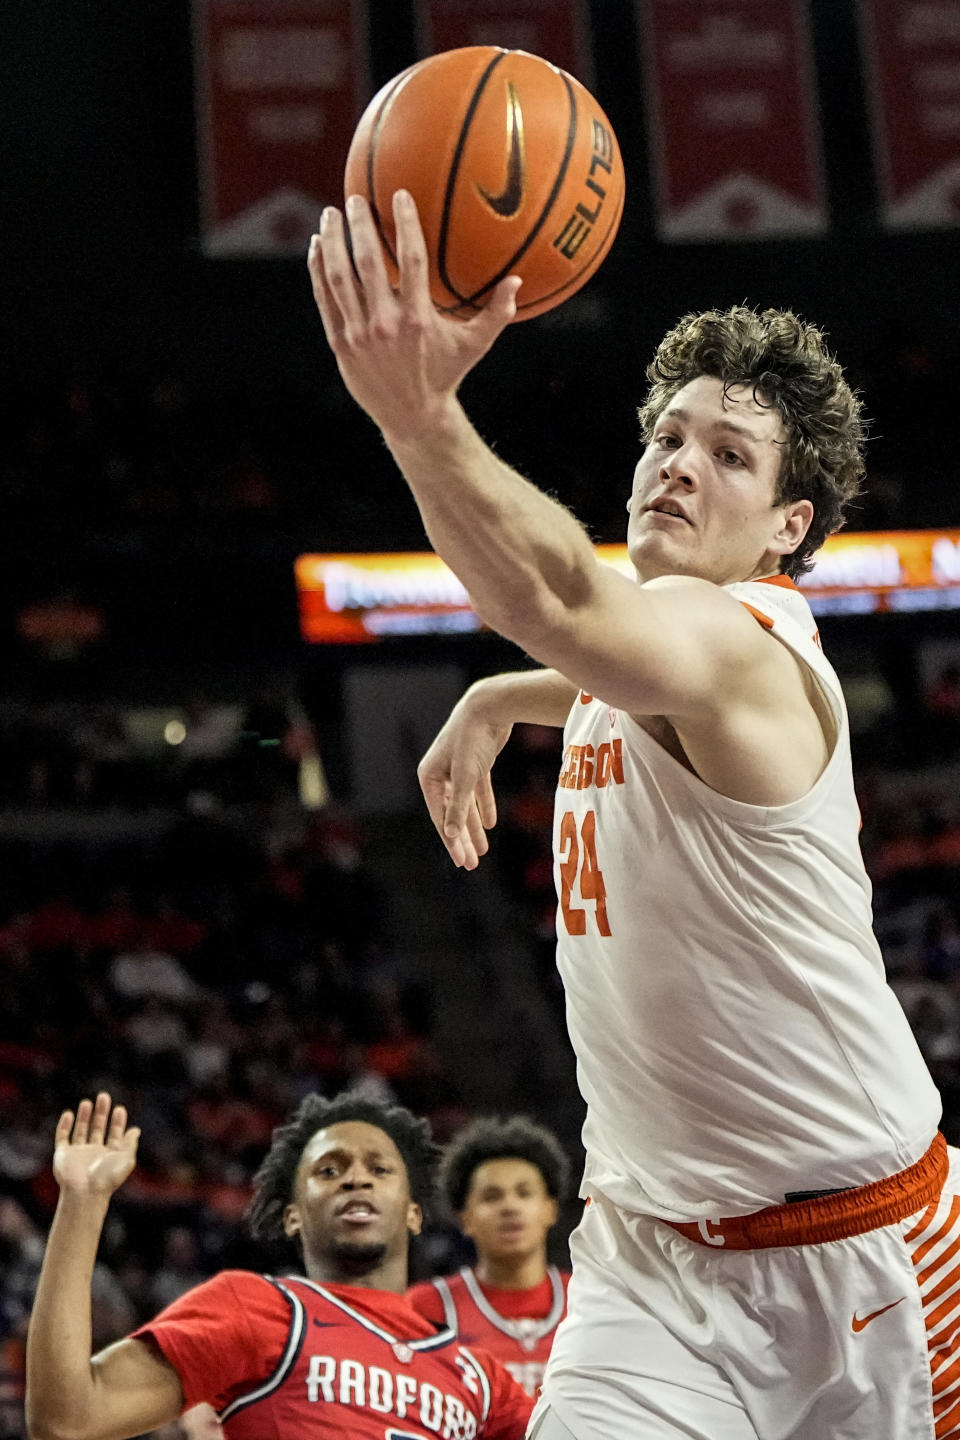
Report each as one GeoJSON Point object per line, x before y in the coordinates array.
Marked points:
{"type": "Point", "coordinates": [541, 221]}
{"type": "Point", "coordinates": [590, 270]}
{"type": "Point", "coordinates": [371, 148]}
{"type": "Point", "coordinates": [452, 176]}
{"type": "Point", "coordinates": [579, 279]}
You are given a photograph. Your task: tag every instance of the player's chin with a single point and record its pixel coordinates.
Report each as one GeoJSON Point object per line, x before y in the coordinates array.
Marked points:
{"type": "Point", "coordinates": [656, 553]}
{"type": "Point", "coordinates": [358, 1255]}
{"type": "Point", "coordinates": [510, 1242]}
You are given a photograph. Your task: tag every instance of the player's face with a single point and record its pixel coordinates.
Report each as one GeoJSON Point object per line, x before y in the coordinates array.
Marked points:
{"type": "Point", "coordinates": [352, 1204]}
{"type": "Point", "coordinates": [508, 1210]}
{"type": "Point", "coordinates": [716, 459]}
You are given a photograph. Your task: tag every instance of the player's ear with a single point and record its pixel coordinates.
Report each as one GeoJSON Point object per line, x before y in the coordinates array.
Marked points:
{"type": "Point", "coordinates": [552, 1210]}
{"type": "Point", "coordinates": [291, 1221]}
{"type": "Point", "coordinates": [414, 1218]}
{"type": "Point", "coordinates": [797, 518]}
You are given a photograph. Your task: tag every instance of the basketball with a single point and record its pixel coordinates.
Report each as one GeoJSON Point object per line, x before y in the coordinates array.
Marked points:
{"type": "Point", "coordinates": [513, 165]}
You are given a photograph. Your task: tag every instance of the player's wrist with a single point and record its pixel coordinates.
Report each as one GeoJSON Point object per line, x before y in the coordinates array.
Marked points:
{"type": "Point", "coordinates": [438, 431]}
{"type": "Point", "coordinates": [82, 1202]}
{"type": "Point", "coordinates": [491, 700]}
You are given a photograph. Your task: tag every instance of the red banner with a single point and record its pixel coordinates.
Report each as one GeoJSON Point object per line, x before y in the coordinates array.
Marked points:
{"type": "Point", "coordinates": [280, 87]}
{"type": "Point", "coordinates": [556, 29]}
{"type": "Point", "coordinates": [913, 63]}
{"type": "Point", "coordinates": [733, 119]}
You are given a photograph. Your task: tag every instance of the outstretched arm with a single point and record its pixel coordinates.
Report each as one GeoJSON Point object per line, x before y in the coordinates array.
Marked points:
{"type": "Point", "coordinates": [527, 563]}
{"type": "Point", "coordinates": [127, 1389]}
{"type": "Point", "coordinates": [455, 773]}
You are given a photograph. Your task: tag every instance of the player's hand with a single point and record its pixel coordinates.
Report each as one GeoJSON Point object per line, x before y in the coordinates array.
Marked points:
{"type": "Point", "coordinates": [400, 358]}
{"type": "Point", "coordinates": [454, 776]}
{"type": "Point", "coordinates": [94, 1151]}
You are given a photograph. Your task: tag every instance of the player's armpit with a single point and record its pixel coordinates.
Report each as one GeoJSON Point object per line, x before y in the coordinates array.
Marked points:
{"type": "Point", "coordinates": [136, 1390]}
{"type": "Point", "coordinates": [675, 646]}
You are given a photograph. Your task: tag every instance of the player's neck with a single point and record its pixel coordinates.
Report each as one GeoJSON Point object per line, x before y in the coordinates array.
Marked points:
{"type": "Point", "coordinates": [391, 1275]}
{"type": "Point", "coordinates": [514, 1272]}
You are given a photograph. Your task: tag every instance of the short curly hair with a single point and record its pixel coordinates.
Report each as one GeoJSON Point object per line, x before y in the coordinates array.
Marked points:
{"type": "Point", "coordinates": [274, 1182]}
{"type": "Point", "coordinates": [786, 364]}
{"type": "Point", "coordinates": [489, 1138]}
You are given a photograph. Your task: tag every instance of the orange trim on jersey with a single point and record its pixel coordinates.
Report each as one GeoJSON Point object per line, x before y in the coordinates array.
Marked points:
{"type": "Point", "coordinates": [831, 1217]}
{"type": "Point", "coordinates": [765, 620]}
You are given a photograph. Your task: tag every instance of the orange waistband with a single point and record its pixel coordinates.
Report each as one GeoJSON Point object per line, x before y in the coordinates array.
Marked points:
{"type": "Point", "coordinates": [831, 1217]}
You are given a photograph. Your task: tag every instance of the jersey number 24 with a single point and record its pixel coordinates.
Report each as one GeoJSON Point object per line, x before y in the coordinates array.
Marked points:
{"type": "Point", "coordinates": [586, 873]}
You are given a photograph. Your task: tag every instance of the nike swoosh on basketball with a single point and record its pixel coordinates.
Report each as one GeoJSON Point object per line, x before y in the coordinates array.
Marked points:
{"type": "Point", "coordinates": [510, 198]}
{"type": "Point", "coordinates": [859, 1324]}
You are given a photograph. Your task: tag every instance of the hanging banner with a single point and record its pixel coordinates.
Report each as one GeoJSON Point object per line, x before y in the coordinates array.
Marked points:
{"type": "Point", "coordinates": [733, 120]}
{"type": "Point", "coordinates": [556, 29]}
{"type": "Point", "coordinates": [280, 86]}
{"type": "Point", "coordinates": [912, 54]}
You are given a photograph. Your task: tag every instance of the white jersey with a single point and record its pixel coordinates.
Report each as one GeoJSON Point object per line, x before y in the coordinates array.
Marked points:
{"type": "Point", "coordinates": [736, 1039]}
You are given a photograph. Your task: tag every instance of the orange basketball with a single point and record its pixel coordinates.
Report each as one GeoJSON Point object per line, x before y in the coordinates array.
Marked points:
{"type": "Point", "coordinates": [514, 167]}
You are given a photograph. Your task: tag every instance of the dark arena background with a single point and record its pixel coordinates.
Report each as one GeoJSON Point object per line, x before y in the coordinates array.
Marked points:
{"type": "Point", "coordinates": [218, 887]}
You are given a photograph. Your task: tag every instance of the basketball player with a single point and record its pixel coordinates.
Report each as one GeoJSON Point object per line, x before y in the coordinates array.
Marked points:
{"type": "Point", "coordinates": [337, 1352]}
{"type": "Point", "coordinates": [504, 1180]}
{"type": "Point", "coordinates": [771, 1239]}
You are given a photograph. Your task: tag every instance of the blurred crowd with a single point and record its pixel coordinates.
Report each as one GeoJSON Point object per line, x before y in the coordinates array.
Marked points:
{"type": "Point", "coordinates": [210, 975]}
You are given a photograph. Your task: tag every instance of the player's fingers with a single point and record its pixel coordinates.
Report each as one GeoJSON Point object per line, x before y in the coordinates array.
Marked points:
{"type": "Point", "coordinates": [101, 1115]}
{"type": "Point", "coordinates": [131, 1139]}
{"type": "Point", "coordinates": [368, 261]}
{"type": "Point", "coordinates": [118, 1124]}
{"type": "Point", "coordinates": [329, 310]}
{"type": "Point", "coordinates": [411, 256]}
{"type": "Point", "coordinates": [61, 1136]}
{"type": "Point", "coordinates": [81, 1128]}
{"type": "Point", "coordinates": [486, 802]}
{"type": "Point", "coordinates": [478, 836]}
{"type": "Point", "coordinates": [497, 313]}
{"type": "Point", "coordinates": [435, 790]}
{"type": "Point", "coordinates": [456, 809]}
{"type": "Point", "coordinates": [337, 268]}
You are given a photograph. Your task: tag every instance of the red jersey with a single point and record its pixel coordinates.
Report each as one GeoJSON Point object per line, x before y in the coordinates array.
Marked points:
{"type": "Point", "coordinates": [295, 1358]}
{"type": "Point", "coordinates": [516, 1326]}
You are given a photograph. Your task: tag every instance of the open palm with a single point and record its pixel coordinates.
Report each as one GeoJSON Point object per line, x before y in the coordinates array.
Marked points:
{"type": "Point", "coordinates": [94, 1151]}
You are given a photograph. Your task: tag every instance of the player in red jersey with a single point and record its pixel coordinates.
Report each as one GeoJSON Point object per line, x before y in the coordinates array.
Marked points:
{"type": "Point", "coordinates": [504, 1180]}
{"type": "Point", "coordinates": [336, 1352]}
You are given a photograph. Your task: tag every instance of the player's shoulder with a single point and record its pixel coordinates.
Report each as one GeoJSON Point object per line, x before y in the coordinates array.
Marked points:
{"type": "Point", "coordinates": [233, 1282]}
{"type": "Point", "coordinates": [691, 597]}
{"type": "Point", "coordinates": [714, 619]}
{"type": "Point", "coordinates": [423, 1289]}
{"type": "Point", "coordinates": [250, 1282]}
{"type": "Point", "coordinates": [425, 1298]}
{"type": "Point", "coordinates": [252, 1291]}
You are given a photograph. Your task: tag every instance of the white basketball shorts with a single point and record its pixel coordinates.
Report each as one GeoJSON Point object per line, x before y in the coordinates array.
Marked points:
{"type": "Point", "coordinates": [783, 1325]}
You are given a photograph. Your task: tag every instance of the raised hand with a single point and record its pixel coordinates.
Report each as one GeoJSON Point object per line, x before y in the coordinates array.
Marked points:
{"type": "Point", "coordinates": [94, 1151]}
{"type": "Point", "coordinates": [400, 358]}
{"type": "Point", "coordinates": [454, 776]}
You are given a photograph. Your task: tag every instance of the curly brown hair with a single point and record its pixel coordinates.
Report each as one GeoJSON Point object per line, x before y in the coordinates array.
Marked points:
{"type": "Point", "coordinates": [787, 365]}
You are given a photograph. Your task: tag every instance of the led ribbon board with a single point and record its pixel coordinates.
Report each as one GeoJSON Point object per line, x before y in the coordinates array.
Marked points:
{"type": "Point", "coordinates": [360, 599]}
